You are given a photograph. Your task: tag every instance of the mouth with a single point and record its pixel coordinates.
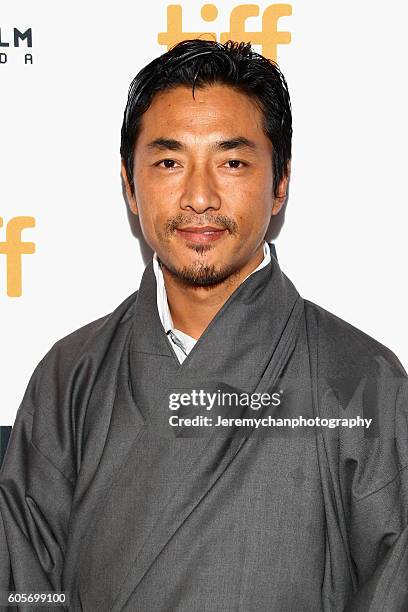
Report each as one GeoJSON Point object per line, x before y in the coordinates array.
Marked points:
{"type": "Point", "coordinates": [201, 234]}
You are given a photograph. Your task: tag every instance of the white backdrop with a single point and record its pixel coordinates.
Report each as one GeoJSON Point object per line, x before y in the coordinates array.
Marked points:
{"type": "Point", "coordinates": [343, 241]}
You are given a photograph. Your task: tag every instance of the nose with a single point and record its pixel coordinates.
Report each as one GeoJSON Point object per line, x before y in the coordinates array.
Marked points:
{"type": "Point", "coordinates": [200, 192]}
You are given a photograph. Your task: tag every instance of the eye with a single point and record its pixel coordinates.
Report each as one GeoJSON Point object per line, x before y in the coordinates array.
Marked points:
{"type": "Point", "coordinates": [166, 163]}
{"type": "Point", "coordinates": [235, 164]}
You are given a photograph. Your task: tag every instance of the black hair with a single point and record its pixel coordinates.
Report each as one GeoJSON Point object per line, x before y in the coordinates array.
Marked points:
{"type": "Point", "coordinates": [198, 63]}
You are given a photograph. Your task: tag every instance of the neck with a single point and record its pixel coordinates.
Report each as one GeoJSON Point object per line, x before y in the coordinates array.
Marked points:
{"type": "Point", "coordinates": [193, 308]}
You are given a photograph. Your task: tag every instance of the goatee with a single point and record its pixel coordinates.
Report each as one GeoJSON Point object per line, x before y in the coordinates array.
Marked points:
{"type": "Point", "coordinates": [200, 274]}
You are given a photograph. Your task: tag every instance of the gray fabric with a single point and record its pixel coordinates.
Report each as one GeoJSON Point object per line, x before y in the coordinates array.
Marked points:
{"type": "Point", "coordinates": [99, 497]}
{"type": "Point", "coordinates": [5, 431]}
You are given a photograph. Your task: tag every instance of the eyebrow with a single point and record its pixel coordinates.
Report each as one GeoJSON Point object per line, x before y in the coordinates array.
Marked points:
{"type": "Point", "coordinates": [166, 144]}
{"type": "Point", "coordinates": [240, 142]}
{"type": "Point", "coordinates": [170, 144]}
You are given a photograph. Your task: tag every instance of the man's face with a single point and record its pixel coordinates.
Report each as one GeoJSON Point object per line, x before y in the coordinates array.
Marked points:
{"type": "Point", "coordinates": [204, 182]}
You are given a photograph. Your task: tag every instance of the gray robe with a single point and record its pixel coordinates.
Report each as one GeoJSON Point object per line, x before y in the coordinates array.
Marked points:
{"type": "Point", "coordinates": [101, 498]}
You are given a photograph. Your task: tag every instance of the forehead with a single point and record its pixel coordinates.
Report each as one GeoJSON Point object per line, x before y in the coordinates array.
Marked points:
{"type": "Point", "coordinates": [214, 110]}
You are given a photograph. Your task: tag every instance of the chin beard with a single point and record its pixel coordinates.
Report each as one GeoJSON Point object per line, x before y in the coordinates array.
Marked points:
{"type": "Point", "coordinates": [201, 275]}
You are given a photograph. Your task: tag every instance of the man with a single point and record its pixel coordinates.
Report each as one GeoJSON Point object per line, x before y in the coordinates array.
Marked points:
{"type": "Point", "coordinates": [128, 482]}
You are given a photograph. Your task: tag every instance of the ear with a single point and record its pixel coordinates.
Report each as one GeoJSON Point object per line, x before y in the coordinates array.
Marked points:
{"type": "Point", "coordinates": [130, 196]}
{"type": "Point", "coordinates": [280, 198]}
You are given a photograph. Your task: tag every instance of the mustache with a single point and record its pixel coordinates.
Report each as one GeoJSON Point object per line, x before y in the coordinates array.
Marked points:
{"type": "Point", "coordinates": [220, 221]}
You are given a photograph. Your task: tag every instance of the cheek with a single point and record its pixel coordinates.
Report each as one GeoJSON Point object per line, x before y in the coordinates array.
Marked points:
{"type": "Point", "coordinates": [148, 200]}
{"type": "Point", "coordinates": [154, 196]}
{"type": "Point", "coordinates": [148, 222]}
{"type": "Point", "coordinates": [254, 218]}
{"type": "Point", "coordinates": [153, 215]}
{"type": "Point", "coordinates": [258, 188]}
{"type": "Point", "coordinates": [254, 207]}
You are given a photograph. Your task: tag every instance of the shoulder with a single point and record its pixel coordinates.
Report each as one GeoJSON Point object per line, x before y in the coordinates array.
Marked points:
{"type": "Point", "coordinates": [92, 338]}
{"type": "Point", "coordinates": [344, 347]}
{"type": "Point", "coordinates": [70, 365]}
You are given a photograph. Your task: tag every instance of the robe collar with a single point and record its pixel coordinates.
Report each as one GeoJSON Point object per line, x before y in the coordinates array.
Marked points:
{"type": "Point", "coordinates": [162, 303]}
{"type": "Point", "coordinates": [238, 342]}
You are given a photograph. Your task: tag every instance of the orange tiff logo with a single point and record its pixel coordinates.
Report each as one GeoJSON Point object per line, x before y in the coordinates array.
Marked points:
{"type": "Point", "coordinates": [269, 37]}
{"type": "Point", "coordinates": [13, 248]}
